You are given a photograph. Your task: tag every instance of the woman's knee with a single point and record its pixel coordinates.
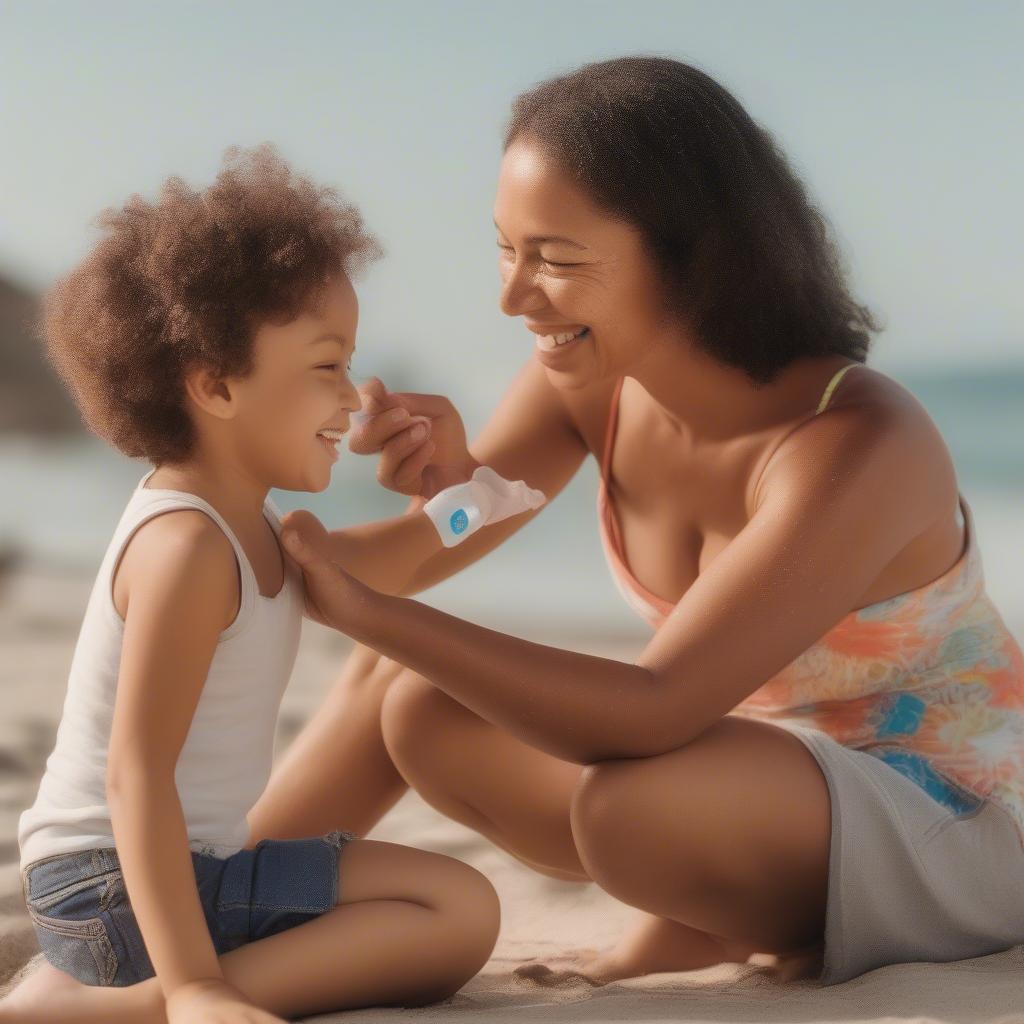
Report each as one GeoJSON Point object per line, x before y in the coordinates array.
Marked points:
{"type": "Point", "coordinates": [597, 814]}
{"type": "Point", "coordinates": [410, 712]}
{"type": "Point", "coordinates": [367, 671]}
{"type": "Point", "coordinates": [619, 827]}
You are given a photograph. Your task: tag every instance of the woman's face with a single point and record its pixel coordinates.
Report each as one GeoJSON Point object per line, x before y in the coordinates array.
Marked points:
{"type": "Point", "coordinates": [580, 279]}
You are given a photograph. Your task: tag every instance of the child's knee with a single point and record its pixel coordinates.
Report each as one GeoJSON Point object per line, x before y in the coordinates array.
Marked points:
{"type": "Point", "coordinates": [467, 933]}
{"type": "Point", "coordinates": [471, 905]}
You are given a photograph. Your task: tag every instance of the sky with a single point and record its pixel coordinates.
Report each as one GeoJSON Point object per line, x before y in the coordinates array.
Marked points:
{"type": "Point", "coordinates": [904, 119]}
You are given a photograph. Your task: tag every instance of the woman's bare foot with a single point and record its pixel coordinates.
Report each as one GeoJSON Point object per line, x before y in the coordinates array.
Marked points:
{"type": "Point", "coordinates": [796, 966]}
{"type": "Point", "coordinates": [583, 965]}
{"type": "Point", "coordinates": [651, 946]}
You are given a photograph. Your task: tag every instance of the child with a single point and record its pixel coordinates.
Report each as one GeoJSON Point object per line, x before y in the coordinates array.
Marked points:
{"type": "Point", "coordinates": [210, 333]}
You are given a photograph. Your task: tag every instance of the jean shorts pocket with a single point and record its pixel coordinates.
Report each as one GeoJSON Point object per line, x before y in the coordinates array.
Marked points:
{"type": "Point", "coordinates": [79, 947]}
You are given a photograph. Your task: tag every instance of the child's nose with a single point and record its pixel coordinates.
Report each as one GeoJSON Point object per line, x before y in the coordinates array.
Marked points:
{"type": "Point", "coordinates": [352, 400]}
{"type": "Point", "coordinates": [355, 415]}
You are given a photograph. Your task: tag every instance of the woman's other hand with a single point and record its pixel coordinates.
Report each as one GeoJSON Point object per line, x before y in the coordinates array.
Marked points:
{"type": "Point", "coordinates": [412, 461]}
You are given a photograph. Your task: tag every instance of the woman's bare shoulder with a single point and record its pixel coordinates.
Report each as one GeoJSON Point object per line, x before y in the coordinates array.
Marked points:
{"type": "Point", "coordinates": [870, 396]}
{"type": "Point", "coordinates": [874, 423]}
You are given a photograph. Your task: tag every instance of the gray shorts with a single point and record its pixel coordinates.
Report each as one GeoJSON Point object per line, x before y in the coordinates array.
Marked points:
{"type": "Point", "coordinates": [912, 879]}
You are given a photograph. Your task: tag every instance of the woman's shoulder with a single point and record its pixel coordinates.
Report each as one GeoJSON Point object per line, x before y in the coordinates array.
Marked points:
{"type": "Point", "coordinates": [863, 386]}
{"type": "Point", "coordinates": [873, 431]}
{"type": "Point", "coordinates": [870, 406]}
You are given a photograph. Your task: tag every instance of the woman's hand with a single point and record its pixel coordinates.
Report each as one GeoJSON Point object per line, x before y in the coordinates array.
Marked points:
{"type": "Point", "coordinates": [422, 465]}
{"type": "Point", "coordinates": [333, 597]}
{"type": "Point", "coordinates": [214, 1001]}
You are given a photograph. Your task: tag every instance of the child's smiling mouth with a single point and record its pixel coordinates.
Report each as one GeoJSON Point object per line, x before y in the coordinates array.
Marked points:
{"type": "Point", "coordinates": [330, 437]}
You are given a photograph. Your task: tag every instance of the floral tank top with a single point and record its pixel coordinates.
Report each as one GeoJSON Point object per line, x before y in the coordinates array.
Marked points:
{"type": "Point", "coordinates": [930, 681]}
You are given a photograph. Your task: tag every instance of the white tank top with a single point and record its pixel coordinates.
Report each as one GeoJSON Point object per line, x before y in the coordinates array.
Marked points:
{"type": "Point", "coordinates": [225, 762]}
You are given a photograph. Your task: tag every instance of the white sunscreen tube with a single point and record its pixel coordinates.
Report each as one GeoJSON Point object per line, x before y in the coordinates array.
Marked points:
{"type": "Point", "coordinates": [458, 512]}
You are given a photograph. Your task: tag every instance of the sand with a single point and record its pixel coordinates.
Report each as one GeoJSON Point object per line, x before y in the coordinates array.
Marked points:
{"type": "Point", "coordinates": [39, 620]}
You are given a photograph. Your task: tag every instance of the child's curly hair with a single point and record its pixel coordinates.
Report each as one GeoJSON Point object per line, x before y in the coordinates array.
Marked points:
{"type": "Point", "coordinates": [185, 282]}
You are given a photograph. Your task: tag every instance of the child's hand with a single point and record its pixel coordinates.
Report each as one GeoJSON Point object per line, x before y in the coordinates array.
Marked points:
{"type": "Point", "coordinates": [214, 1001]}
{"type": "Point", "coordinates": [422, 465]}
{"type": "Point", "coordinates": [333, 597]}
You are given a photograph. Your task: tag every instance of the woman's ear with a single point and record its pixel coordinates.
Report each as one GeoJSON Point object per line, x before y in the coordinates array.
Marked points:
{"type": "Point", "coordinates": [211, 393]}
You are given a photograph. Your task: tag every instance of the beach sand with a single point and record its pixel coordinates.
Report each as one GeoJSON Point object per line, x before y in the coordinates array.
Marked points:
{"type": "Point", "coordinates": [39, 620]}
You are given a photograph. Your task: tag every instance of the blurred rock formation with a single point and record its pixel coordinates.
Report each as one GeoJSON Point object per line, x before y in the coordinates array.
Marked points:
{"type": "Point", "coordinates": [32, 398]}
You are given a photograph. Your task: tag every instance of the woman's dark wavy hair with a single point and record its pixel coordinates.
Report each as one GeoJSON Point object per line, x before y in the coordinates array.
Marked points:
{"type": "Point", "coordinates": [744, 256]}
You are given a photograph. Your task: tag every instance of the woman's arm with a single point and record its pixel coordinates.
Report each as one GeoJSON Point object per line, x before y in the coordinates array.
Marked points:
{"type": "Point", "coordinates": [182, 592]}
{"type": "Point", "coordinates": [529, 437]}
{"type": "Point", "coordinates": [845, 494]}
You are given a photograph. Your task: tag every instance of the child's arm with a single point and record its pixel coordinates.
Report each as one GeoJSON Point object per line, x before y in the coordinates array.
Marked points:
{"type": "Point", "coordinates": [181, 578]}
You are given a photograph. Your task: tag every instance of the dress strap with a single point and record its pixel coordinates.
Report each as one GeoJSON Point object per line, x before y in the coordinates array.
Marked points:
{"type": "Point", "coordinates": [609, 437]}
{"type": "Point", "coordinates": [832, 385]}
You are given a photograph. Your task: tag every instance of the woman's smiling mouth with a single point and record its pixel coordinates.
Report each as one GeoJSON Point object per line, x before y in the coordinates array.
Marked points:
{"type": "Point", "coordinates": [550, 341]}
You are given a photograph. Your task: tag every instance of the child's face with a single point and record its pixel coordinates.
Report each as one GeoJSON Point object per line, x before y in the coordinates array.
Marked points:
{"type": "Point", "coordinates": [299, 387]}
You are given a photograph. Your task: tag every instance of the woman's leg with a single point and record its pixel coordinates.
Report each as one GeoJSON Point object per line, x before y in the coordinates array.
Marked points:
{"type": "Point", "coordinates": [520, 799]}
{"type": "Point", "coordinates": [410, 928]}
{"type": "Point", "coordinates": [479, 775]}
{"type": "Point", "coordinates": [729, 835]}
{"type": "Point", "coordinates": [336, 773]}
{"type": "Point", "coordinates": [514, 795]}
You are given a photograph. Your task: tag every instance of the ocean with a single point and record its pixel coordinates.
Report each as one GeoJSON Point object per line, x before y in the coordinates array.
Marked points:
{"type": "Point", "coordinates": [62, 500]}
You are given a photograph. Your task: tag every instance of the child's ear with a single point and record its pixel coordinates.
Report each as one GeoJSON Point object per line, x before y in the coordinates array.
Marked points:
{"type": "Point", "coordinates": [211, 393]}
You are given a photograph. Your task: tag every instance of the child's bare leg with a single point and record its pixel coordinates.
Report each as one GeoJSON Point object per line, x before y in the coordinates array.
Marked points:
{"type": "Point", "coordinates": [354, 783]}
{"type": "Point", "coordinates": [410, 928]}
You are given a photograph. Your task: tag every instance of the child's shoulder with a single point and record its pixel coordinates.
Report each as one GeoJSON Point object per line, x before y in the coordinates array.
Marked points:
{"type": "Point", "coordinates": [178, 555]}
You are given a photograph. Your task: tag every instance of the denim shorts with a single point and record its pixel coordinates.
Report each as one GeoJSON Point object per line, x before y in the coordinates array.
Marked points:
{"type": "Point", "coordinates": [85, 925]}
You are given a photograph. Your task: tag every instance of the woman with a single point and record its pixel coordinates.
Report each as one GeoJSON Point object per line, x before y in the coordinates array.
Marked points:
{"type": "Point", "coordinates": [819, 753]}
